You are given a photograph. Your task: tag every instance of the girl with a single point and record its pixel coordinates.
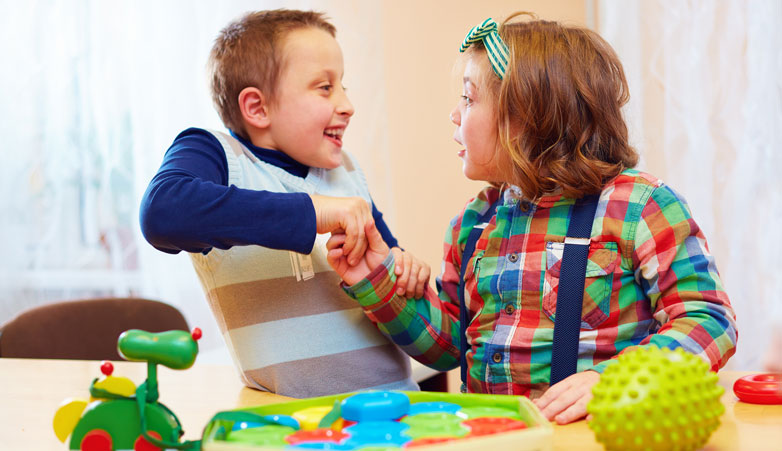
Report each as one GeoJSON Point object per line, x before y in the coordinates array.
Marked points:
{"type": "Point", "coordinates": [540, 120]}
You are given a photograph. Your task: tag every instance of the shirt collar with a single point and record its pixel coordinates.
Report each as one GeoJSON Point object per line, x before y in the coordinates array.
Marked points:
{"type": "Point", "coordinates": [512, 194]}
{"type": "Point", "coordinates": [275, 157]}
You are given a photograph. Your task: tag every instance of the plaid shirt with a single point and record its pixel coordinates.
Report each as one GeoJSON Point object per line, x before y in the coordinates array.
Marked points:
{"type": "Point", "coordinates": [650, 279]}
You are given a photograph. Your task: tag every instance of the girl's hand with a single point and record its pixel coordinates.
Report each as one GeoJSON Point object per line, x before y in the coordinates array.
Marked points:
{"type": "Point", "coordinates": [412, 274]}
{"type": "Point", "coordinates": [377, 251]}
{"type": "Point", "coordinates": [566, 400]}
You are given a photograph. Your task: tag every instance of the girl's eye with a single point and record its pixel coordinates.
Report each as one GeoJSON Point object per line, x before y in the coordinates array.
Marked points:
{"type": "Point", "coordinates": [467, 100]}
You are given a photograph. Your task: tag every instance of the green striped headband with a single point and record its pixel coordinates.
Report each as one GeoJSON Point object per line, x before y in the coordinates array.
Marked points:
{"type": "Point", "coordinates": [495, 47]}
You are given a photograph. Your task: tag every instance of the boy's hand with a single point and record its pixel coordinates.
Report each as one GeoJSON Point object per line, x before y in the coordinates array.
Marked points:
{"type": "Point", "coordinates": [412, 274]}
{"type": "Point", "coordinates": [566, 400]}
{"type": "Point", "coordinates": [347, 214]}
{"type": "Point", "coordinates": [376, 252]}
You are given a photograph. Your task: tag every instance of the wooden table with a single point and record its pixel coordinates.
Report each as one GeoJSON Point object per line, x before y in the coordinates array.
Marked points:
{"type": "Point", "coordinates": [31, 390]}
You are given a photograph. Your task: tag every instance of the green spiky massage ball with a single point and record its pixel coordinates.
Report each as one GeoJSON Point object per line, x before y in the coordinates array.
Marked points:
{"type": "Point", "coordinates": [654, 399]}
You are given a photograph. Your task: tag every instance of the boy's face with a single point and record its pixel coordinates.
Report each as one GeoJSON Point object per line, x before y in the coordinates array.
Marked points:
{"type": "Point", "coordinates": [310, 110]}
{"type": "Point", "coordinates": [476, 124]}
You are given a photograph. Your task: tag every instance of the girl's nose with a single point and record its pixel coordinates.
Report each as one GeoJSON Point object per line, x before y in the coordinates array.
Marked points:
{"type": "Point", "coordinates": [455, 116]}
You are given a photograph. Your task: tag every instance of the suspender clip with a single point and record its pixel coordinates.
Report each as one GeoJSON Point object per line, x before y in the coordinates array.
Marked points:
{"type": "Point", "coordinates": [578, 241]}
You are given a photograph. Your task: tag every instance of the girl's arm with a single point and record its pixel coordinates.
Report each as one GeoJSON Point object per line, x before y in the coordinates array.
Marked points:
{"type": "Point", "coordinates": [680, 278]}
{"type": "Point", "coordinates": [427, 327]}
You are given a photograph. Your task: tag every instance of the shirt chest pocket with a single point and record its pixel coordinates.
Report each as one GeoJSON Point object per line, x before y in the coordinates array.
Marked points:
{"type": "Point", "coordinates": [598, 280]}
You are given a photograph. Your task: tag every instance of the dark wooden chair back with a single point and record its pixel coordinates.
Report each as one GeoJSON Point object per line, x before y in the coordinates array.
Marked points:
{"type": "Point", "coordinates": [85, 329]}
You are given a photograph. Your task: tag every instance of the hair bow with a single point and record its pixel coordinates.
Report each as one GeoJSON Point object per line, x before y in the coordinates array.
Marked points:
{"type": "Point", "coordinates": [495, 46]}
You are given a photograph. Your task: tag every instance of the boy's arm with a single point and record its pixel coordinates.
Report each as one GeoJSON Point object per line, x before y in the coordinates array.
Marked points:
{"type": "Point", "coordinates": [189, 207]}
{"type": "Point", "coordinates": [382, 227]}
{"type": "Point", "coordinates": [679, 276]}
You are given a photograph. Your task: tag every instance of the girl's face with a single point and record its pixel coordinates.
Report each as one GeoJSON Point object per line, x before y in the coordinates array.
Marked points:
{"type": "Point", "coordinates": [476, 123]}
{"type": "Point", "coordinates": [311, 110]}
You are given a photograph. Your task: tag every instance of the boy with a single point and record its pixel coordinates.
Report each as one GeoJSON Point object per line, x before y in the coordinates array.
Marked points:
{"type": "Point", "coordinates": [248, 207]}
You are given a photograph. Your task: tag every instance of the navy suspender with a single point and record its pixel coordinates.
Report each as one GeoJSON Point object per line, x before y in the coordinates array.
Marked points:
{"type": "Point", "coordinates": [570, 297]}
{"type": "Point", "coordinates": [469, 249]}
{"type": "Point", "coordinates": [567, 324]}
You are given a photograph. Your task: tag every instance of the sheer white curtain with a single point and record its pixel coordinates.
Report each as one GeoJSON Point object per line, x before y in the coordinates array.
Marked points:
{"type": "Point", "coordinates": [706, 114]}
{"type": "Point", "coordinates": [93, 92]}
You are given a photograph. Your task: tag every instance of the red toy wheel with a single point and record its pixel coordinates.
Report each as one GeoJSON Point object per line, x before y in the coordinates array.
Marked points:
{"type": "Point", "coordinates": [96, 440]}
{"type": "Point", "coordinates": [143, 444]}
{"type": "Point", "coordinates": [759, 388]}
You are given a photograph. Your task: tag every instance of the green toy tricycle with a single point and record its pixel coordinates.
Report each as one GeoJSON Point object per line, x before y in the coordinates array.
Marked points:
{"type": "Point", "coordinates": [120, 415]}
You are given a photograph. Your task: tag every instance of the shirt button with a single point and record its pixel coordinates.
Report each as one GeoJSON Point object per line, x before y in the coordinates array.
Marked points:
{"type": "Point", "coordinates": [514, 257]}
{"type": "Point", "coordinates": [509, 309]}
{"type": "Point", "coordinates": [497, 357]}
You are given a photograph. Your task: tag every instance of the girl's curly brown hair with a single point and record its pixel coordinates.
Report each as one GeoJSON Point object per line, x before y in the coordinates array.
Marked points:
{"type": "Point", "coordinates": [559, 109]}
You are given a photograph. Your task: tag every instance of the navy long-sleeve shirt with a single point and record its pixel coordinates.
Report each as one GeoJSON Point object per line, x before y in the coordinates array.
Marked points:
{"type": "Point", "coordinates": [188, 205]}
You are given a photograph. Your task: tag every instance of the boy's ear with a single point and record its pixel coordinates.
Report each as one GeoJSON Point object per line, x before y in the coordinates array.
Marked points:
{"type": "Point", "coordinates": [254, 107]}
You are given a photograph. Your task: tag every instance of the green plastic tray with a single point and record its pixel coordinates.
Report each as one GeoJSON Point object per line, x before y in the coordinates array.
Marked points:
{"type": "Point", "coordinates": [537, 435]}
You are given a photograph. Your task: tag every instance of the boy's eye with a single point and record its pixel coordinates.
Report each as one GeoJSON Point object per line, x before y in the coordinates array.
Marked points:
{"type": "Point", "coordinates": [326, 88]}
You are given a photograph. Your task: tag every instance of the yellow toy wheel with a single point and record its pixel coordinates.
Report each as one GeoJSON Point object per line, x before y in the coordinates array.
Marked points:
{"type": "Point", "coordinates": [67, 416]}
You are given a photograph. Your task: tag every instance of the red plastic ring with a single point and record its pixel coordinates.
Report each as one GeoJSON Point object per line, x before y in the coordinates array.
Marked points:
{"type": "Point", "coordinates": [759, 388]}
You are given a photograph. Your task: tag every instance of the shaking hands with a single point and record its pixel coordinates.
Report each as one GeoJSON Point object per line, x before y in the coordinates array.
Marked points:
{"type": "Point", "coordinates": [412, 274]}
{"type": "Point", "coordinates": [345, 215]}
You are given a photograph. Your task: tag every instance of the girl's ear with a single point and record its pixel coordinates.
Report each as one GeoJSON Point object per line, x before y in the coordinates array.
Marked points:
{"type": "Point", "coordinates": [254, 108]}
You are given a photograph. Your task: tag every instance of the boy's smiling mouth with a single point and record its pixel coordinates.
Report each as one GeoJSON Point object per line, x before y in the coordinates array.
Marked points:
{"type": "Point", "coordinates": [334, 134]}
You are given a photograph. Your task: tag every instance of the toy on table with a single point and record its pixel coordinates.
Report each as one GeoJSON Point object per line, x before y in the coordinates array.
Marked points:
{"type": "Point", "coordinates": [759, 388]}
{"type": "Point", "coordinates": [120, 415]}
{"type": "Point", "coordinates": [376, 420]}
{"type": "Point", "coordinates": [656, 398]}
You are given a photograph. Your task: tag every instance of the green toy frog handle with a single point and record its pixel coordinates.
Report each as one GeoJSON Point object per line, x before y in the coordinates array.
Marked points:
{"type": "Point", "coordinates": [176, 349]}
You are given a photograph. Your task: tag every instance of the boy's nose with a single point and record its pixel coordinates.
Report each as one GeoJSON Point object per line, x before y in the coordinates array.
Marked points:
{"type": "Point", "coordinates": [344, 107]}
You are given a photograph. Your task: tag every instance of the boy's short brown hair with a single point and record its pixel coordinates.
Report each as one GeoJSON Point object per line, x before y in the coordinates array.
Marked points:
{"type": "Point", "coordinates": [246, 53]}
{"type": "Point", "coordinates": [559, 109]}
